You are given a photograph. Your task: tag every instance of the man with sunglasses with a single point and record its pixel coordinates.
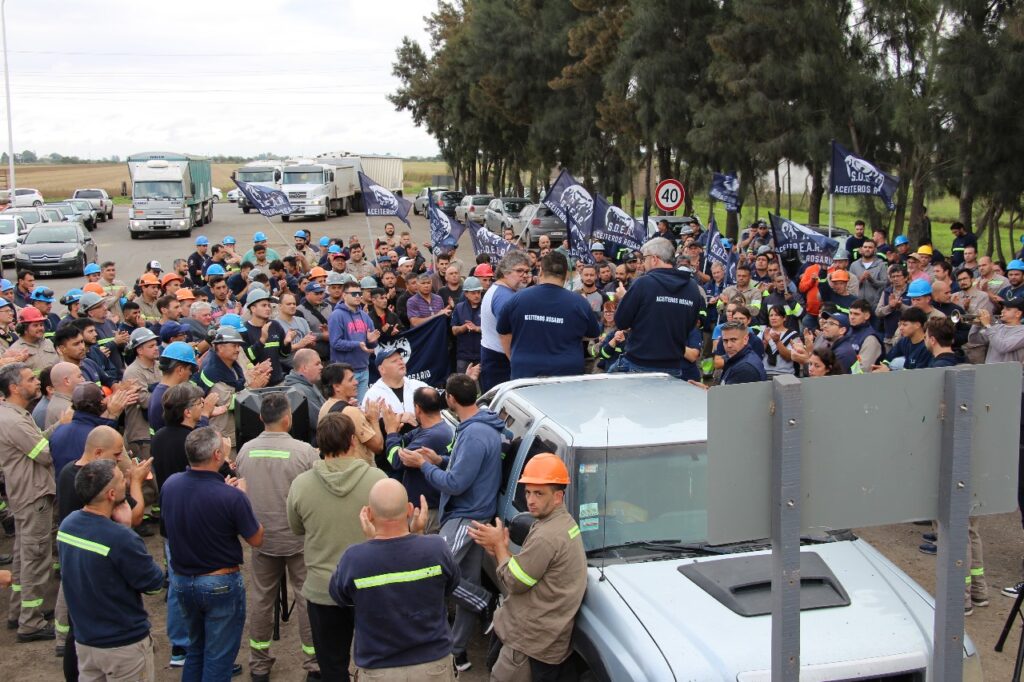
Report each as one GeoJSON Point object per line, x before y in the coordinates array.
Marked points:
{"type": "Point", "coordinates": [352, 335]}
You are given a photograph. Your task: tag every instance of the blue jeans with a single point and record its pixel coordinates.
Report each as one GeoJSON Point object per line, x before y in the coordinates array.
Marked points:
{"type": "Point", "coordinates": [214, 609]}
{"type": "Point", "coordinates": [363, 377]}
{"type": "Point", "coordinates": [177, 628]}
{"type": "Point", "coordinates": [624, 365]}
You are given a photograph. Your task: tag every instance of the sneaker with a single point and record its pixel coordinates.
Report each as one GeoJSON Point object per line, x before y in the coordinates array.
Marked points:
{"type": "Point", "coordinates": [979, 601]}
{"type": "Point", "coordinates": [1013, 590]}
{"type": "Point", "coordinates": [969, 610]}
{"type": "Point", "coordinates": [929, 537]}
{"type": "Point", "coordinates": [928, 548]}
{"type": "Point", "coordinates": [462, 663]}
{"type": "Point", "coordinates": [177, 657]}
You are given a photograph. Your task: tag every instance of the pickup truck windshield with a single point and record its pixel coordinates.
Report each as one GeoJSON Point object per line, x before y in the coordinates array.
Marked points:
{"type": "Point", "coordinates": [157, 190]}
{"type": "Point", "coordinates": [306, 178]}
{"type": "Point", "coordinates": [631, 494]}
{"type": "Point", "coordinates": [255, 176]}
{"type": "Point", "coordinates": [52, 235]}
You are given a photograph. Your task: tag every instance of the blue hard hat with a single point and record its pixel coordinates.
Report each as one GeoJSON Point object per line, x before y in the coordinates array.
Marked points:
{"type": "Point", "coordinates": [4, 303]}
{"type": "Point", "coordinates": [214, 270]}
{"type": "Point", "coordinates": [6, 285]}
{"type": "Point", "coordinates": [334, 249]}
{"type": "Point", "coordinates": [228, 240]}
{"type": "Point", "coordinates": [232, 320]}
{"type": "Point", "coordinates": [726, 243]}
{"type": "Point", "coordinates": [325, 241]}
{"type": "Point", "coordinates": [259, 237]}
{"type": "Point", "coordinates": [1015, 264]}
{"type": "Point", "coordinates": [921, 287]}
{"type": "Point", "coordinates": [91, 269]}
{"type": "Point", "coordinates": [202, 241]}
{"type": "Point", "coordinates": [901, 240]}
{"type": "Point", "coordinates": [179, 351]}
{"type": "Point", "coordinates": [71, 297]}
{"type": "Point", "coordinates": [43, 294]}
{"type": "Point", "coordinates": [299, 234]}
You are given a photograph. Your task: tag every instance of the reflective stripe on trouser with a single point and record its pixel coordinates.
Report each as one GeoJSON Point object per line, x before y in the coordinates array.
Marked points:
{"type": "Point", "coordinates": [61, 623]}
{"type": "Point", "coordinates": [264, 589]}
{"type": "Point", "coordinates": [977, 585]}
{"type": "Point", "coordinates": [34, 542]}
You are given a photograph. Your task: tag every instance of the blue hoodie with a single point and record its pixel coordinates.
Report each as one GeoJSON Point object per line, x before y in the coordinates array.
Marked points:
{"type": "Point", "coordinates": [659, 309]}
{"type": "Point", "coordinates": [347, 330]}
{"type": "Point", "coordinates": [469, 486]}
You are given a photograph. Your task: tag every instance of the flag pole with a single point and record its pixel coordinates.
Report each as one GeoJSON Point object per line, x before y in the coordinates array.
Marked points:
{"type": "Point", "coordinates": [831, 208]}
{"type": "Point", "coordinates": [369, 235]}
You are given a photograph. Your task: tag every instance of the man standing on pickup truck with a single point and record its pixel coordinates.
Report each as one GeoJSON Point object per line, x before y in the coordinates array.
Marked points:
{"type": "Point", "coordinates": [548, 576]}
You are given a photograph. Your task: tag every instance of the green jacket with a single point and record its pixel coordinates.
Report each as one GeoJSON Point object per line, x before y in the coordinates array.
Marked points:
{"type": "Point", "coordinates": [323, 506]}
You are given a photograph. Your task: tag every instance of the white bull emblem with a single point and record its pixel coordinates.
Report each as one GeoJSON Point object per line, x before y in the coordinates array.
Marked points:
{"type": "Point", "coordinates": [384, 197]}
{"type": "Point", "coordinates": [578, 204]}
{"type": "Point", "coordinates": [860, 170]}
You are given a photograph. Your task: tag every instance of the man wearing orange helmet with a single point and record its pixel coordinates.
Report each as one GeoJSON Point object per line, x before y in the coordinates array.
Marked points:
{"type": "Point", "coordinates": [150, 286]}
{"type": "Point", "coordinates": [32, 332]}
{"type": "Point", "coordinates": [544, 583]}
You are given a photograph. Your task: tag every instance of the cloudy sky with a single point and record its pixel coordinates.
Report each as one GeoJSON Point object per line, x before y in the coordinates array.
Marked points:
{"type": "Point", "coordinates": [294, 77]}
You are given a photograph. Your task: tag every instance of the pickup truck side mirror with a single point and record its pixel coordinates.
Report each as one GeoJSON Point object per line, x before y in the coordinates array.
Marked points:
{"type": "Point", "coordinates": [519, 526]}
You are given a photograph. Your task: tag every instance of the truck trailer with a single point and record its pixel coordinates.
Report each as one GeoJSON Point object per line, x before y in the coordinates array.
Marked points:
{"type": "Point", "coordinates": [386, 171]}
{"type": "Point", "coordinates": [319, 187]}
{"type": "Point", "coordinates": [171, 193]}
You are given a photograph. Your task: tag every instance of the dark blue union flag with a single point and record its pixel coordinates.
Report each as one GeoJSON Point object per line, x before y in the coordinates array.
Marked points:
{"type": "Point", "coordinates": [269, 202]}
{"type": "Point", "coordinates": [726, 188]}
{"type": "Point", "coordinates": [445, 231]}
{"type": "Point", "coordinates": [378, 200]}
{"type": "Point", "coordinates": [425, 351]}
{"type": "Point", "coordinates": [574, 206]}
{"type": "Point", "coordinates": [851, 174]}
{"type": "Point", "coordinates": [792, 236]}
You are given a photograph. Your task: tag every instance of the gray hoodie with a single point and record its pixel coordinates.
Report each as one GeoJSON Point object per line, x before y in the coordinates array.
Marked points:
{"type": "Point", "coordinates": [324, 505]}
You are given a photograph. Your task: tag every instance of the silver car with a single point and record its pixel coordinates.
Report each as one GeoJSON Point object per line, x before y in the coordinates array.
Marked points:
{"type": "Point", "coordinates": [472, 207]}
{"type": "Point", "coordinates": [502, 212]}
{"type": "Point", "coordinates": [419, 204]}
{"type": "Point", "coordinates": [71, 214]}
{"type": "Point", "coordinates": [31, 216]}
{"type": "Point", "coordinates": [535, 221]}
{"type": "Point", "coordinates": [660, 603]}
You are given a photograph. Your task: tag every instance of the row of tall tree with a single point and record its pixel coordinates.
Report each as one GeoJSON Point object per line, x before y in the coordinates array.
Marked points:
{"type": "Point", "coordinates": [624, 92]}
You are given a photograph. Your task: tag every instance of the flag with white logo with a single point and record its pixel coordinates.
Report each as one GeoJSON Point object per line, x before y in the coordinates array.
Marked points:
{"type": "Point", "coordinates": [379, 200]}
{"type": "Point", "coordinates": [574, 206]}
{"type": "Point", "coordinates": [269, 202]}
{"type": "Point", "coordinates": [851, 174]}
{"type": "Point", "coordinates": [726, 188]}
{"type": "Point", "coordinates": [485, 241]}
{"type": "Point", "coordinates": [792, 236]}
{"type": "Point", "coordinates": [445, 231]}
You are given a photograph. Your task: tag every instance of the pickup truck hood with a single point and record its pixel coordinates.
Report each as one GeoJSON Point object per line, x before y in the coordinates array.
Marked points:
{"type": "Point", "coordinates": [888, 621]}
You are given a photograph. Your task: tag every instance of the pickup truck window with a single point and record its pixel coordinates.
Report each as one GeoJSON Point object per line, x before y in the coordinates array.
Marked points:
{"type": "Point", "coordinates": [542, 442]}
{"type": "Point", "coordinates": [88, 194]}
{"type": "Point", "coordinates": [631, 494]}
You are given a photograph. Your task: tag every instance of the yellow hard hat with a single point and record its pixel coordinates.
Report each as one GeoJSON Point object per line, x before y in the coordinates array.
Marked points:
{"type": "Point", "coordinates": [925, 249]}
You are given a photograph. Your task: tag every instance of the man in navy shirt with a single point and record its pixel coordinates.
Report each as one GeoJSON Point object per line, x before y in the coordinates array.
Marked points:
{"type": "Point", "coordinates": [742, 365]}
{"type": "Point", "coordinates": [543, 327]}
{"type": "Point", "coordinates": [104, 569]}
{"type": "Point", "coordinates": [398, 582]}
{"type": "Point", "coordinates": [203, 514]}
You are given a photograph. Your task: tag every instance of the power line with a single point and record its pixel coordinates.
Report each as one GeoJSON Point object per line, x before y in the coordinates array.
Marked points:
{"type": "Point", "coordinates": [205, 55]}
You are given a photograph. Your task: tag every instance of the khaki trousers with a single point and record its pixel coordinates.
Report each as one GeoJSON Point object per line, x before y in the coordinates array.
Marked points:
{"type": "Point", "coordinates": [32, 564]}
{"type": "Point", "coordinates": [266, 578]}
{"type": "Point", "coordinates": [130, 663]}
{"type": "Point", "coordinates": [441, 670]}
{"type": "Point", "coordinates": [511, 666]}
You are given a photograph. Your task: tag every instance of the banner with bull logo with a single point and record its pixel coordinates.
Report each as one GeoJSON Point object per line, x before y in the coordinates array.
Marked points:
{"type": "Point", "coordinates": [620, 228]}
{"type": "Point", "coordinates": [726, 188]}
{"type": "Point", "coordinates": [445, 231]}
{"type": "Point", "coordinates": [718, 253]}
{"type": "Point", "coordinates": [851, 174]}
{"type": "Point", "coordinates": [485, 241]}
{"type": "Point", "coordinates": [379, 200]}
{"type": "Point", "coordinates": [267, 201]}
{"type": "Point", "coordinates": [792, 236]}
{"type": "Point", "coordinates": [574, 206]}
{"type": "Point", "coordinates": [424, 349]}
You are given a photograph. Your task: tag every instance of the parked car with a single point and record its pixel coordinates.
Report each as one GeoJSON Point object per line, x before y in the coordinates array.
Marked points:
{"type": "Point", "coordinates": [100, 201]}
{"type": "Point", "coordinates": [676, 223]}
{"type": "Point", "coordinates": [502, 212]}
{"type": "Point", "coordinates": [71, 212]}
{"type": "Point", "coordinates": [661, 603]}
{"type": "Point", "coordinates": [56, 248]}
{"type": "Point", "coordinates": [54, 214]}
{"type": "Point", "coordinates": [31, 216]}
{"type": "Point", "coordinates": [448, 200]}
{"type": "Point", "coordinates": [233, 195]}
{"type": "Point", "coordinates": [11, 227]}
{"type": "Point", "coordinates": [536, 220]}
{"type": "Point", "coordinates": [472, 207]}
{"type": "Point", "coordinates": [87, 210]}
{"type": "Point", "coordinates": [217, 194]}
{"type": "Point", "coordinates": [27, 197]}
{"type": "Point", "coordinates": [419, 204]}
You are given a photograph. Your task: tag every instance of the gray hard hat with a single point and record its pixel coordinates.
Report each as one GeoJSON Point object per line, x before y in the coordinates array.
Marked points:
{"type": "Point", "coordinates": [227, 335]}
{"type": "Point", "coordinates": [140, 336]}
{"type": "Point", "coordinates": [256, 295]}
{"type": "Point", "coordinates": [89, 301]}
{"type": "Point", "coordinates": [472, 284]}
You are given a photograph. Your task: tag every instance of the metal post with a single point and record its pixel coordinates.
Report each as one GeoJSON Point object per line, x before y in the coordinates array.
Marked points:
{"type": "Point", "coordinates": [954, 506]}
{"type": "Point", "coordinates": [787, 406]}
{"type": "Point", "coordinates": [7, 89]}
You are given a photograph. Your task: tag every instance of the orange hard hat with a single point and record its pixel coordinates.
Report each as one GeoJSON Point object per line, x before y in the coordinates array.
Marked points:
{"type": "Point", "coordinates": [94, 287]}
{"type": "Point", "coordinates": [544, 469]}
{"type": "Point", "coordinates": [185, 295]}
{"type": "Point", "coordinates": [317, 272]}
{"type": "Point", "coordinates": [30, 314]}
{"type": "Point", "coordinates": [170, 277]}
{"type": "Point", "coordinates": [148, 279]}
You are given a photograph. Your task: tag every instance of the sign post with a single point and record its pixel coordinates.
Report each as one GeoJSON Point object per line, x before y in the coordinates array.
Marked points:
{"type": "Point", "coordinates": [669, 195]}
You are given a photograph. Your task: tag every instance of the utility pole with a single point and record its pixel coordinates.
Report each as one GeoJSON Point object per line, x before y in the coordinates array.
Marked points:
{"type": "Point", "coordinates": [7, 89]}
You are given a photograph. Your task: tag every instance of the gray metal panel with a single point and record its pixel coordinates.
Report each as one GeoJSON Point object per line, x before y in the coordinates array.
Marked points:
{"type": "Point", "coordinates": [787, 417]}
{"type": "Point", "coordinates": [871, 447]}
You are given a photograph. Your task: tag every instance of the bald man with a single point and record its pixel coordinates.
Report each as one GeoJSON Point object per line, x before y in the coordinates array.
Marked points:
{"type": "Point", "coordinates": [387, 637]}
{"type": "Point", "coordinates": [305, 378]}
{"type": "Point", "coordinates": [102, 443]}
{"type": "Point", "coordinates": [64, 376]}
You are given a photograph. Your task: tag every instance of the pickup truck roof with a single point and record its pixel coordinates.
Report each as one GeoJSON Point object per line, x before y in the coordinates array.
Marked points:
{"type": "Point", "coordinates": [643, 405]}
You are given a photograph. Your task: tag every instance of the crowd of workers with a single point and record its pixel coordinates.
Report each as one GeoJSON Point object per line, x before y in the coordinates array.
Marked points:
{"type": "Point", "coordinates": [121, 421]}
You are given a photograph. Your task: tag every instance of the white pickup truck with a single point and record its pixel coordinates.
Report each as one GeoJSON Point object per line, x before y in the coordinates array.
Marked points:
{"type": "Point", "coordinates": [100, 201]}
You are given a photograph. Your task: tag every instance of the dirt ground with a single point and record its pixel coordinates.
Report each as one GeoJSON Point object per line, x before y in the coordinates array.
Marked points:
{"type": "Point", "coordinates": [1004, 547]}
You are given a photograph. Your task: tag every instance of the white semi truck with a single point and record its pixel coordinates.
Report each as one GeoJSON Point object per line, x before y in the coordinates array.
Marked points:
{"type": "Point", "coordinates": [386, 171]}
{"type": "Point", "coordinates": [171, 192]}
{"type": "Point", "coordinates": [319, 188]}
{"type": "Point", "coordinates": [265, 173]}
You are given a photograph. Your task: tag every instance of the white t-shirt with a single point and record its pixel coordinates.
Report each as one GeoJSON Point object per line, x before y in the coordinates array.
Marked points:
{"type": "Point", "coordinates": [381, 390]}
{"type": "Point", "coordinates": [494, 300]}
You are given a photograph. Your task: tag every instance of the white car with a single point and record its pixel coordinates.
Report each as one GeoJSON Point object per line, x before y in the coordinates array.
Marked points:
{"type": "Point", "coordinates": [217, 195]}
{"type": "Point", "coordinates": [11, 226]}
{"type": "Point", "coordinates": [233, 195]}
{"type": "Point", "coordinates": [24, 197]}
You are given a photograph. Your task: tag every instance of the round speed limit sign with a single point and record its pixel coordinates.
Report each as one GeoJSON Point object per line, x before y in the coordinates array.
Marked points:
{"type": "Point", "coordinates": [669, 195]}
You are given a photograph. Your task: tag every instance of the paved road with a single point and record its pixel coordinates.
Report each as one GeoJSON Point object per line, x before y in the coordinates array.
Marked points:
{"type": "Point", "coordinates": [35, 662]}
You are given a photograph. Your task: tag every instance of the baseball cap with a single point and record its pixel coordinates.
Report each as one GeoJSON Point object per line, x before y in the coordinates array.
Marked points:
{"type": "Point", "coordinates": [405, 259]}
{"type": "Point", "coordinates": [841, 254]}
{"type": "Point", "coordinates": [314, 288]}
{"type": "Point", "coordinates": [472, 284]}
{"type": "Point", "coordinates": [1017, 303]}
{"type": "Point", "coordinates": [483, 270]}
{"type": "Point", "coordinates": [764, 249]}
{"type": "Point", "coordinates": [384, 353]}
{"type": "Point", "coordinates": [841, 318]}
{"type": "Point", "coordinates": [171, 329]}
{"type": "Point", "coordinates": [884, 248]}
{"type": "Point", "coordinates": [184, 295]}
{"type": "Point", "coordinates": [154, 265]}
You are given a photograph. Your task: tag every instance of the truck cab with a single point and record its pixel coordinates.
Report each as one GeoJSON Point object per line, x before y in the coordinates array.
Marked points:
{"type": "Point", "coordinates": [263, 173]}
{"type": "Point", "coordinates": [170, 193]}
{"type": "Point", "coordinates": [320, 189]}
{"type": "Point", "coordinates": [659, 599]}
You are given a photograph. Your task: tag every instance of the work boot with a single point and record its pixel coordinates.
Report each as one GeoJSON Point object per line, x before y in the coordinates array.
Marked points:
{"type": "Point", "coordinates": [37, 635]}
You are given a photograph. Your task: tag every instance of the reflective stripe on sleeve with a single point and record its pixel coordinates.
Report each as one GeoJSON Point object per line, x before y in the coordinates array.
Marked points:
{"type": "Point", "coordinates": [39, 447]}
{"type": "Point", "coordinates": [574, 531]}
{"type": "Point", "coordinates": [519, 573]}
{"type": "Point", "coordinates": [402, 577]}
{"type": "Point", "coordinates": [82, 543]}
